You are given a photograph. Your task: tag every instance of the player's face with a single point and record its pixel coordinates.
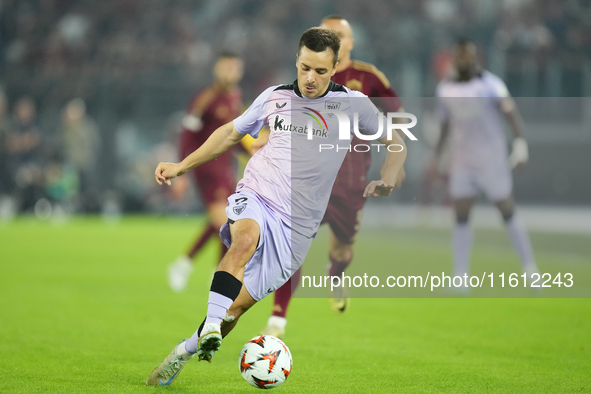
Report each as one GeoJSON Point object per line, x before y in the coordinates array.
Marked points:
{"type": "Point", "coordinates": [228, 71]}
{"type": "Point", "coordinates": [345, 33]}
{"type": "Point", "coordinates": [314, 71]}
{"type": "Point", "coordinates": [465, 57]}
{"type": "Point", "coordinates": [25, 111]}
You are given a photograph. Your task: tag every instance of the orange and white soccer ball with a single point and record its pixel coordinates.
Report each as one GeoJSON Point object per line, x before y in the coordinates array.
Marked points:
{"type": "Point", "coordinates": [265, 362]}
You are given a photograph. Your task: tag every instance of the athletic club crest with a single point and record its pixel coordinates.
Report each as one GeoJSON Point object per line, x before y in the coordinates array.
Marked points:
{"type": "Point", "coordinates": [332, 105]}
{"type": "Point", "coordinates": [239, 209]}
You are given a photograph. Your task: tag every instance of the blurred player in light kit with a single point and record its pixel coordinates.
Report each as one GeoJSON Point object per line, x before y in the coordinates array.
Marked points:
{"type": "Point", "coordinates": [213, 107]}
{"type": "Point", "coordinates": [470, 105]}
{"type": "Point", "coordinates": [346, 200]}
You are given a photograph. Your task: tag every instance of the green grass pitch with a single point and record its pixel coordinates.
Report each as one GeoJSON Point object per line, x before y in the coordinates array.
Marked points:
{"type": "Point", "coordinates": [86, 309]}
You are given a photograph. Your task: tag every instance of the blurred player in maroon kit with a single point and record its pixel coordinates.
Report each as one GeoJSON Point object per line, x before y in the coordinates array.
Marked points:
{"type": "Point", "coordinates": [214, 106]}
{"type": "Point", "coordinates": [346, 201]}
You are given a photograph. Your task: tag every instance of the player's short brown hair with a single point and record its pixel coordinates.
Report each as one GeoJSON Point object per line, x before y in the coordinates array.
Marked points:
{"type": "Point", "coordinates": [228, 55]}
{"type": "Point", "coordinates": [332, 17]}
{"type": "Point", "coordinates": [318, 40]}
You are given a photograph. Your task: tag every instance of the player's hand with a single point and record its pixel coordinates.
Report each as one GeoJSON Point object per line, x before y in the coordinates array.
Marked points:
{"type": "Point", "coordinates": [519, 154]}
{"type": "Point", "coordinates": [166, 171]}
{"type": "Point", "coordinates": [378, 189]}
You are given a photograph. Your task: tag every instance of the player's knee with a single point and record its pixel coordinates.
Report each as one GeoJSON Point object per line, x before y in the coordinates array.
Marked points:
{"type": "Point", "coordinates": [507, 214]}
{"type": "Point", "coordinates": [244, 243]}
{"type": "Point", "coordinates": [462, 217]}
{"type": "Point", "coordinates": [506, 208]}
{"type": "Point", "coordinates": [342, 253]}
{"type": "Point", "coordinates": [462, 208]}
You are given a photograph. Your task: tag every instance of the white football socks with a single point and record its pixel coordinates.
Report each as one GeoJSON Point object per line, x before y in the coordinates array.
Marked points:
{"type": "Point", "coordinates": [462, 247]}
{"type": "Point", "coordinates": [521, 243]}
{"type": "Point", "coordinates": [278, 321]}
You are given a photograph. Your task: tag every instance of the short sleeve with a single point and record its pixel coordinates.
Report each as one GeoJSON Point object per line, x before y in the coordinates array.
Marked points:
{"type": "Point", "coordinates": [441, 111]}
{"type": "Point", "coordinates": [253, 119]}
{"type": "Point", "coordinates": [389, 100]}
{"type": "Point", "coordinates": [369, 115]}
{"type": "Point", "coordinates": [497, 86]}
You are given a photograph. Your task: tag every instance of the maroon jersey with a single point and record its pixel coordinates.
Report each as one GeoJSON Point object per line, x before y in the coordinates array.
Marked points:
{"type": "Point", "coordinates": [217, 178]}
{"type": "Point", "coordinates": [215, 108]}
{"type": "Point", "coordinates": [367, 79]}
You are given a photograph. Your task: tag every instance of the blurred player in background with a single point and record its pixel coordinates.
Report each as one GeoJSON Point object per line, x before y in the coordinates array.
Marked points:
{"type": "Point", "coordinates": [469, 107]}
{"type": "Point", "coordinates": [24, 149]}
{"type": "Point", "coordinates": [4, 176]}
{"type": "Point", "coordinates": [346, 201]}
{"type": "Point", "coordinates": [216, 105]}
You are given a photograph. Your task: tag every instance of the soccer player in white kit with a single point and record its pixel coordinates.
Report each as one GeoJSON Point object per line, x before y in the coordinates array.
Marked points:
{"type": "Point", "coordinates": [280, 202]}
{"type": "Point", "coordinates": [470, 104]}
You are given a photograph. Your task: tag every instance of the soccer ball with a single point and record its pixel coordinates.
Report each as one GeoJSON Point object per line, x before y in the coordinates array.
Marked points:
{"type": "Point", "coordinates": [265, 362]}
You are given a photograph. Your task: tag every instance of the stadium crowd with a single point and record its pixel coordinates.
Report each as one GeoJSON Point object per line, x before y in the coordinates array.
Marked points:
{"type": "Point", "coordinates": [131, 60]}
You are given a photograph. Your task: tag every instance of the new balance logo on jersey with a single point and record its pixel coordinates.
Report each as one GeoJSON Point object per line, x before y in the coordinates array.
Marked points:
{"type": "Point", "coordinates": [280, 106]}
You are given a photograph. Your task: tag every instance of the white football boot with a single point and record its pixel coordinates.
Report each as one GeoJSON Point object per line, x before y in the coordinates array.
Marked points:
{"type": "Point", "coordinates": [169, 369]}
{"type": "Point", "coordinates": [179, 272]}
{"type": "Point", "coordinates": [209, 342]}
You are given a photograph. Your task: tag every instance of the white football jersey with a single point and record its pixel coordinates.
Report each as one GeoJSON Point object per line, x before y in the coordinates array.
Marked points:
{"type": "Point", "coordinates": [473, 109]}
{"type": "Point", "coordinates": [290, 174]}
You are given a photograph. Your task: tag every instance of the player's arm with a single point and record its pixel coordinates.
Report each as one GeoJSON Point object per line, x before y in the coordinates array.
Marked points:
{"type": "Point", "coordinates": [192, 120]}
{"type": "Point", "coordinates": [444, 117]}
{"type": "Point", "coordinates": [218, 142]}
{"type": "Point", "coordinates": [402, 174]}
{"type": "Point", "coordinates": [225, 137]}
{"type": "Point", "coordinates": [389, 101]}
{"type": "Point", "coordinates": [386, 97]}
{"type": "Point", "coordinates": [392, 168]}
{"type": "Point", "coordinates": [519, 154]}
{"type": "Point", "coordinates": [433, 165]}
{"type": "Point", "coordinates": [443, 135]}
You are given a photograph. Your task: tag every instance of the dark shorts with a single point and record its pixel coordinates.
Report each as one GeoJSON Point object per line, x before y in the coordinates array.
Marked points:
{"type": "Point", "coordinates": [215, 187]}
{"type": "Point", "coordinates": [216, 179]}
{"type": "Point", "coordinates": [343, 215]}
